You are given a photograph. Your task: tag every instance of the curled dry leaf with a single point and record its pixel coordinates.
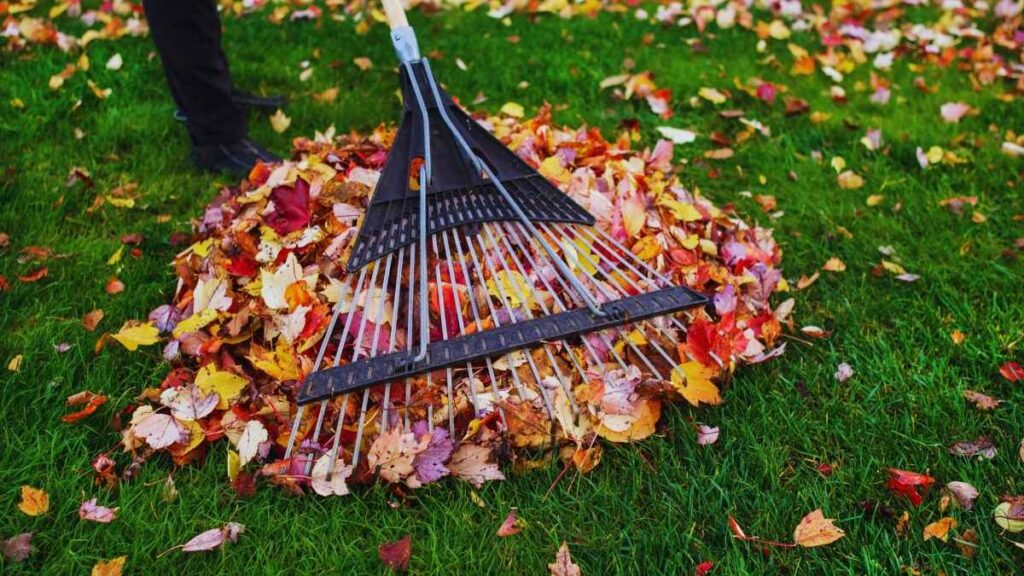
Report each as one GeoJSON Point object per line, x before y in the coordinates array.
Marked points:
{"type": "Point", "coordinates": [92, 319]}
{"type": "Point", "coordinates": [92, 403]}
{"type": "Point", "coordinates": [982, 401]}
{"type": "Point", "coordinates": [907, 483]}
{"type": "Point", "coordinates": [510, 525]}
{"type": "Point", "coordinates": [112, 567]}
{"type": "Point", "coordinates": [816, 530]}
{"type": "Point", "coordinates": [964, 493]}
{"type": "Point", "coordinates": [214, 538]}
{"type": "Point", "coordinates": [90, 510]}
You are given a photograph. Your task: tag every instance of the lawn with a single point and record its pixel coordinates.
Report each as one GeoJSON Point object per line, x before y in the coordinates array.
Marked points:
{"type": "Point", "coordinates": [661, 506]}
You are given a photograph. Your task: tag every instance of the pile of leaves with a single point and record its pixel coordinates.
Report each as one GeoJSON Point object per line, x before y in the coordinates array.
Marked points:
{"type": "Point", "coordinates": [257, 285]}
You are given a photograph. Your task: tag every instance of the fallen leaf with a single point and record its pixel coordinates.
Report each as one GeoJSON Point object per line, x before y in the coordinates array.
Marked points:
{"type": "Point", "coordinates": [563, 564]}
{"type": "Point", "coordinates": [907, 483]}
{"type": "Point", "coordinates": [112, 567]}
{"type": "Point", "coordinates": [693, 381]}
{"type": "Point", "coordinates": [279, 121]}
{"type": "Point", "coordinates": [92, 403]}
{"type": "Point", "coordinates": [982, 401]}
{"type": "Point", "coordinates": [214, 537]}
{"type": "Point", "coordinates": [939, 529]}
{"type": "Point", "coordinates": [834, 264]}
{"type": "Point", "coordinates": [1012, 371]}
{"type": "Point", "coordinates": [15, 363]}
{"type": "Point", "coordinates": [115, 62]}
{"type": "Point", "coordinates": [17, 548]}
{"type": "Point", "coordinates": [253, 435]}
{"type": "Point", "coordinates": [335, 485]}
{"type": "Point", "coordinates": [983, 447]}
{"type": "Point", "coordinates": [114, 286]}
{"type": "Point", "coordinates": [510, 526]}
{"type": "Point", "coordinates": [706, 435]}
{"type": "Point", "coordinates": [471, 463]}
{"type": "Point", "coordinates": [131, 336]}
{"type": "Point", "coordinates": [965, 493]}
{"type": "Point", "coordinates": [93, 512]}
{"type": "Point", "coordinates": [850, 180]}
{"type": "Point", "coordinates": [843, 372]}
{"type": "Point", "coordinates": [34, 501]}
{"type": "Point", "coordinates": [363, 63]}
{"type": "Point", "coordinates": [513, 109]}
{"type": "Point", "coordinates": [677, 135]}
{"type": "Point", "coordinates": [396, 555]}
{"type": "Point", "coordinates": [816, 530]}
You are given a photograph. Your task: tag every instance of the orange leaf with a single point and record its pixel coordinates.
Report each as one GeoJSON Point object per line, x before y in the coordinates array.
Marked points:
{"type": "Point", "coordinates": [112, 567]}
{"type": "Point", "coordinates": [34, 501]}
{"type": "Point", "coordinates": [92, 319]}
{"type": "Point", "coordinates": [940, 529]}
{"type": "Point", "coordinates": [91, 401]}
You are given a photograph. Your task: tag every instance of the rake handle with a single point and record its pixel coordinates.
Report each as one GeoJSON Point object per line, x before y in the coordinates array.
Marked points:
{"type": "Point", "coordinates": [395, 14]}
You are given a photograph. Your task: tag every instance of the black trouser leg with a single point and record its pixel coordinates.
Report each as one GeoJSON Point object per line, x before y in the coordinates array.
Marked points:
{"type": "Point", "coordinates": [187, 35]}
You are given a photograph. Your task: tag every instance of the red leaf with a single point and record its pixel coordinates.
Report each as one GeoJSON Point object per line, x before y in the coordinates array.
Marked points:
{"type": "Point", "coordinates": [91, 401]}
{"type": "Point", "coordinates": [114, 286]}
{"type": "Point", "coordinates": [510, 526]}
{"type": "Point", "coordinates": [703, 568]}
{"type": "Point", "coordinates": [291, 207]}
{"type": "Point", "coordinates": [243, 265]}
{"type": "Point", "coordinates": [395, 555]}
{"type": "Point", "coordinates": [1012, 371]}
{"type": "Point", "coordinates": [907, 483]}
{"type": "Point", "coordinates": [35, 275]}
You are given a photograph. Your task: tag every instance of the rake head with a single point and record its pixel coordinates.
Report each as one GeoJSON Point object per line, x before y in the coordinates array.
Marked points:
{"type": "Point", "coordinates": [476, 289]}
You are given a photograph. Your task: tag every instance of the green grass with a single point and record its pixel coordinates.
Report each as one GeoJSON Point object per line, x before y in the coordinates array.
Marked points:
{"type": "Point", "coordinates": [657, 507]}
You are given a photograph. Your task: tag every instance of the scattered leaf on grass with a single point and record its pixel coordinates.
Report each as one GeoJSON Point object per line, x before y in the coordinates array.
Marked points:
{"type": "Point", "coordinates": [563, 564]}
{"type": "Point", "coordinates": [112, 567]}
{"type": "Point", "coordinates": [34, 501]}
{"type": "Point", "coordinates": [816, 530]}
{"type": "Point", "coordinates": [92, 319]}
{"type": "Point", "coordinates": [279, 121]}
{"type": "Point", "coordinates": [214, 538]}
{"type": "Point", "coordinates": [17, 548]}
{"type": "Point", "coordinates": [940, 529]}
{"type": "Point", "coordinates": [907, 483]}
{"type": "Point", "coordinates": [982, 401]}
{"type": "Point", "coordinates": [90, 400]}
{"type": "Point", "coordinates": [511, 525]}
{"type": "Point", "coordinates": [964, 493]}
{"type": "Point", "coordinates": [1012, 371]}
{"type": "Point", "coordinates": [90, 510]}
{"type": "Point", "coordinates": [396, 555]}
{"type": "Point", "coordinates": [131, 336]}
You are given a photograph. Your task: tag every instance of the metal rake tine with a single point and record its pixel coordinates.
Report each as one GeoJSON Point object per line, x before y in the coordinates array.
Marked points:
{"type": "Point", "coordinates": [394, 328]}
{"type": "Point", "coordinates": [612, 280]}
{"type": "Point", "coordinates": [337, 357]}
{"type": "Point", "coordinates": [566, 388]}
{"type": "Point", "coordinates": [444, 335]}
{"type": "Point", "coordinates": [504, 300]}
{"type": "Point", "coordinates": [458, 313]}
{"type": "Point", "coordinates": [618, 330]}
{"type": "Point", "coordinates": [462, 330]}
{"type": "Point", "coordinates": [316, 366]}
{"type": "Point", "coordinates": [473, 304]}
{"type": "Point", "coordinates": [615, 254]}
{"type": "Point", "coordinates": [408, 339]}
{"type": "Point", "coordinates": [381, 301]}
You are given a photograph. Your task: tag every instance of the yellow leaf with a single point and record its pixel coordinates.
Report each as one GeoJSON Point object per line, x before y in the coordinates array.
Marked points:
{"type": "Point", "coordinates": [234, 464]}
{"type": "Point", "coordinates": [282, 364]}
{"type": "Point", "coordinates": [893, 268]}
{"type": "Point", "coordinates": [116, 256]}
{"type": "Point", "coordinates": [647, 248]}
{"type": "Point", "coordinates": [693, 381]}
{"type": "Point", "coordinates": [552, 169]}
{"type": "Point", "coordinates": [279, 122]}
{"type": "Point", "coordinates": [112, 567]}
{"type": "Point", "coordinates": [363, 63]}
{"type": "Point", "coordinates": [202, 249]}
{"type": "Point", "coordinates": [816, 530]}
{"type": "Point", "coordinates": [34, 501]}
{"type": "Point", "coordinates": [1003, 519]}
{"type": "Point", "coordinates": [935, 154]}
{"type": "Point", "coordinates": [633, 216]}
{"type": "Point", "coordinates": [121, 202]}
{"type": "Point", "coordinates": [15, 364]}
{"type": "Point", "coordinates": [195, 322]}
{"type": "Point", "coordinates": [227, 385]}
{"type": "Point", "coordinates": [131, 337]}
{"type": "Point", "coordinates": [683, 211]}
{"type": "Point", "coordinates": [642, 424]}
{"type": "Point", "coordinates": [579, 256]}
{"type": "Point", "coordinates": [711, 95]}
{"type": "Point", "coordinates": [875, 200]}
{"type": "Point", "coordinates": [940, 529]}
{"type": "Point", "coordinates": [513, 109]}
{"type": "Point", "coordinates": [838, 164]}
{"type": "Point", "coordinates": [512, 286]}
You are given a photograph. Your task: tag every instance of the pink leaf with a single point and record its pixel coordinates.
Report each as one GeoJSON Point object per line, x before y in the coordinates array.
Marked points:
{"type": "Point", "coordinates": [510, 526]}
{"type": "Point", "coordinates": [470, 462]}
{"type": "Point", "coordinates": [952, 112]}
{"type": "Point", "coordinates": [17, 548]}
{"type": "Point", "coordinates": [214, 538]}
{"type": "Point", "coordinates": [707, 435]}
{"type": "Point", "coordinates": [91, 511]}
{"type": "Point", "coordinates": [844, 372]}
{"type": "Point", "coordinates": [395, 555]}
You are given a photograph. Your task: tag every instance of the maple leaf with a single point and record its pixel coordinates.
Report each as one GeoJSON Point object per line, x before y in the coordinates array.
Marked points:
{"type": "Point", "coordinates": [429, 464]}
{"type": "Point", "coordinates": [396, 555]}
{"type": "Point", "coordinates": [131, 336]}
{"type": "Point", "coordinates": [563, 564]}
{"type": "Point", "coordinates": [291, 207]}
{"type": "Point", "coordinates": [275, 284]}
{"type": "Point", "coordinates": [334, 485]}
{"type": "Point", "coordinates": [816, 530]}
{"type": "Point", "coordinates": [91, 511]}
{"type": "Point", "coordinates": [982, 401]}
{"type": "Point", "coordinates": [227, 386]}
{"type": "Point", "coordinates": [189, 403]}
{"type": "Point", "coordinates": [214, 538]}
{"type": "Point", "coordinates": [158, 430]}
{"type": "Point", "coordinates": [112, 567]}
{"type": "Point", "coordinates": [34, 501]}
{"type": "Point", "coordinates": [907, 483]}
{"type": "Point", "coordinates": [693, 381]}
{"type": "Point", "coordinates": [471, 463]}
{"type": "Point", "coordinates": [279, 121]}
{"type": "Point", "coordinates": [939, 529]}
{"type": "Point", "coordinates": [253, 435]}
{"type": "Point", "coordinates": [394, 452]}
{"type": "Point", "coordinates": [17, 548]}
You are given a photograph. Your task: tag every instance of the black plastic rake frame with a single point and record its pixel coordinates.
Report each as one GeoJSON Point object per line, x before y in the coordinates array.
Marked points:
{"type": "Point", "coordinates": [446, 171]}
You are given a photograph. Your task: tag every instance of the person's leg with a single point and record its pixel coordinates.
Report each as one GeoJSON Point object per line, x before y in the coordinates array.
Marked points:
{"type": "Point", "coordinates": [187, 34]}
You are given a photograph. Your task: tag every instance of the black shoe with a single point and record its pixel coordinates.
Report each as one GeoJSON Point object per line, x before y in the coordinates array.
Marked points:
{"type": "Point", "coordinates": [237, 157]}
{"type": "Point", "coordinates": [247, 101]}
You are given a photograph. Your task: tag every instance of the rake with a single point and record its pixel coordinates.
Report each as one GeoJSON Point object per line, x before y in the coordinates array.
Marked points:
{"type": "Point", "coordinates": [474, 286]}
